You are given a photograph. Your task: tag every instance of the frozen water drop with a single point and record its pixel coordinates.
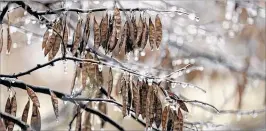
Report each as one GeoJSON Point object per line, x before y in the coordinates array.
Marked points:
{"type": "Point", "coordinates": [150, 82]}
{"type": "Point", "coordinates": [142, 53]}
{"type": "Point", "coordinates": [173, 85]}
{"type": "Point", "coordinates": [184, 85]}
{"type": "Point", "coordinates": [100, 67]}
{"type": "Point", "coordinates": [65, 102]}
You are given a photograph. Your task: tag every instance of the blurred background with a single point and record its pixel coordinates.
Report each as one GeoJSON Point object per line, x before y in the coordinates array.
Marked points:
{"type": "Point", "coordinates": [226, 45]}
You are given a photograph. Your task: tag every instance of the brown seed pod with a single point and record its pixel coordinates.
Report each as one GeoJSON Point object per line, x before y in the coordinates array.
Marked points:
{"type": "Point", "coordinates": [151, 34]}
{"type": "Point", "coordinates": [1, 40]}
{"type": "Point", "coordinates": [110, 82]}
{"type": "Point", "coordinates": [124, 36]}
{"type": "Point", "coordinates": [133, 20]}
{"type": "Point", "coordinates": [152, 102]}
{"type": "Point", "coordinates": [170, 122]}
{"type": "Point", "coordinates": [35, 118]}
{"type": "Point", "coordinates": [182, 105]}
{"type": "Point", "coordinates": [139, 31]}
{"type": "Point", "coordinates": [178, 123]}
{"type": "Point", "coordinates": [87, 119]}
{"type": "Point", "coordinates": [136, 99]}
{"type": "Point", "coordinates": [78, 120]}
{"type": "Point", "coordinates": [131, 35]}
{"type": "Point", "coordinates": [112, 40]}
{"type": "Point", "coordinates": [25, 113]}
{"type": "Point", "coordinates": [86, 32]}
{"type": "Point", "coordinates": [84, 75]}
{"type": "Point", "coordinates": [129, 94]}
{"type": "Point", "coordinates": [104, 31]}
{"type": "Point", "coordinates": [7, 109]}
{"type": "Point", "coordinates": [124, 96]}
{"type": "Point", "coordinates": [149, 109]}
{"type": "Point", "coordinates": [158, 110]}
{"type": "Point", "coordinates": [55, 48]}
{"type": "Point", "coordinates": [158, 31]}
{"type": "Point", "coordinates": [77, 37]}
{"type": "Point", "coordinates": [103, 108]}
{"type": "Point", "coordinates": [165, 117]}
{"type": "Point", "coordinates": [33, 96]}
{"type": "Point", "coordinates": [65, 36]}
{"type": "Point", "coordinates": [98, 73]}
{"type": "Point", "coordinates": [117, 21]}
{"type": "Point", "coordinates": [145, 35]}
{"type": "Point", "coordinates": [97, 36]}
{"type": "Point", "coordinates": [143, 97]}
{"type": "Point", "coordinates": [9, 39]}
{"type": "Point", "coordinates": [55, 103]}
{"type": "Point", "coordinates": [13, 105]}
{"type": "Point", "coordinates": [2, 125]}
{"type": "Point", "coordinates": [49, 44]}
{"type": "Point", "coordinates": [45, 38]}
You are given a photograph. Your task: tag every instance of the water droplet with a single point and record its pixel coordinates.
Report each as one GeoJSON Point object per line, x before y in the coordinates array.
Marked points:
{"type": "Point", "coordinates": [65, 102]}
{"type": "Point", "coordinates": [100, 67]}
{"type": "Point", "coordinates": [25, 13]}
{"type": "Point", "coordinates": [13, 81]}
{"type": "Point", "coordinates": [136, 58]}
{"type": "Point", "coordinates": [42, 26]}
{"type": "Point", "coordinates": [150, 82]}
{"type": "Point", "coordinates": [188, 71]}
{"type": "Point", "coordinates": [173, 85]}
{"type": "Point", "coordinates": [192, 16]}
{"type": "Point", "coordinates": [184, 85]}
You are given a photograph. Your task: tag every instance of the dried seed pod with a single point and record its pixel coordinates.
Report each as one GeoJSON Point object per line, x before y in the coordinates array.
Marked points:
{"type": "Point", "coordinates": [178, 123]}
{"type": "Point", "coordinates": [49, 44]}
{"type": "Point", "coordinates": [143, 97]}
{"type": "Point", "coordinates": [55, 48]}
{"type": "Point", "coordinates": [117, 23]}
{"type": "Point", "coordinates": [35, 118]}
{"type": "Point", "coordinates": [136, 99]}
{"type": "Point", "coordinates": [133, 20]}
{"type": "Point", "coordinates": [104, 31]}
{"type": "Point", "coordinates": [1, 40]}
{"type": "Point", "coordinates": [131, 37]}
{"type": "Point", "coordinates": [2, 125]}
{"type": "Point", "coordinates": [87, 120]}
{"type": "Point", "coordinates": [158, 31]}
{"type": "Point", "coordinates": [78, 120]}
{"type": "Point", "coordinates": [148, 107]}
{"type": "Point", "coordinates": [65, 36]}
{"type": "Point", "coordinates": [98, 73]}
{"type": "Point", "coordinates": [25, 113]}
{"type": "Point", "coordinates": [145, 35]}
{"type": "Point", "coordinates": [110, 82]}
{"type": "Point", "coordinates": [77, 37]}
{"type": "Point", "coordinates": [151, 34]}
{"type": "Point", "coordinates": [11, 124]}
{"type": "Point", "coordinates": [86, 32]}
{"type": "Point", "coordinates": [158, 110]}
{"type": "Point", "coordinates": [55, 103]}
{"type": "Point", "coordinates": [112, 40]}
{"type": "Point", "coordinates": [97, 36]}
{"type": "Point", "coordinates": [151, 110]}
{"type": "Point", "coordinates": [103, 108]}
{"type": "Point", "coordinates": [33, 96]}
{"type": "Point", "coordinates": [84, 75]}
{"type": "Point", "coordinates": [165, 117]}
{"type": "Point", "coordinates": [170, 122]}
{"type": "Point", "coordinates": [182, 105]}
{"type": "Point", "coordinates": [139, 31]}
{"type": "Point", "coordinates": [124, 96]}
{"type": "Point", "coordinates": [45, 38]}
{"type": "Point", "coordinates": [124, 36]}
{"type": "Point", "coordinates": [7, 109]}
{"type": "Point", "coordinates": [129, 100]}
{"type": "Point", "coordinates": [9, 40]}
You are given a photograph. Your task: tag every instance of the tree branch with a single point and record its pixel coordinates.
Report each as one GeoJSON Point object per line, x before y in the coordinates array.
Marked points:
{"type": "Point", "coordinates": [24, 126]}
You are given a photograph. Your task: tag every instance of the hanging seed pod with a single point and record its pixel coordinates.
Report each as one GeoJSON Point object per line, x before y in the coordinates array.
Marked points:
{"type": "Point", "coordinates": [158, 110]}
{"type": "Point", "coordinates": [178, 123]}
{"type": "Point", "coordinates": [55, 103]}
{"type": "Point", "coordinates": [170, 122]}
{"type": "Point", "coordinates": [45, 38]}
{"type": "Point", "coordinates": [97, 36]}
{"type": "Point", "coordinates": [7, 109]}
{"type": "Point", "coordinates": [49, 44]}
{"type": "Point", "coordinates": [11, 124]}
{"type": "Point", "coordinates": [158, 31]}
{"type": "Point", "coordinates": [133, 20]}
{"type": "Point", "coordinates": [143, 97]}
{"type": "Point", "coordinates": [149, 109]}
{"type": "Point", "coordinates": [55, 48]}
{"type": "Point", "coordinates": [78, 120]}
{"type": "Point", "coordinates": [139, 31]}
{"type": "Point", "coordinates": [65, 36]}
{"type": "Point", "coordinates": [124, 36]}
{"type": "Point", "coordinates": [182, 105]}
{"type": "Point", "coordinates": [136, 99]}
{"type": "Point", "coordinates": [131, 35]}
{"type": "Point", "coordinates": [33, 96]}
{"type": "Point", "coordinates": [165, 117]}
{"type": "Point", "coordinates": [103, 108]}
{"type": "Point", "coordinates": [104, 31]}
{"type": "Point", "coordinates": [145, 35]}
{"type": "Point", "coordinates": [25, 113]}
{"type": "Point", "coordinates": [117, 19]}
{"type": "Point", "coordinates": [110, 82]}
{"type": "Point", "coordinates": [35, 118]}
{"type": "Point", "coordinates": [112, 40]}
{"type": "Point", "coordinates": [129, 102]}
{"type": "Point", "coordinates": [151, 34]}
{"type": "Point", "coordinates": [86, 32]}
{"type": "Point", "coordinates": [84, 74]}
{"type": "Point", "coordinates": [77, 37]}
{"type": "Point", "coordinates": [98, 73]}
{"type": "Point", "coordinates": [9, 40]}
{"type": "Point", "coordinates": [1, 39]}
{"type": "Point", "coordinates": [87, 119]}
{"type": "Point", "coordinates": [2, 125]}
{"type": "Point", "coordinates": [124, 96]}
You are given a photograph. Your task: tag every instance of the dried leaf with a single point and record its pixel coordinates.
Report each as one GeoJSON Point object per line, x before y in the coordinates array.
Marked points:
{"type": "Point", "coordinates": [9, 40]}
{"type": "Point", "coordinates": [103, 109]}
{"type": "Point", "coordinates": [145, 35]}
{"type": "Point", "coordinates": [110, 82]}
{"type": "Point", "coordinates": [182, 105]}
{"type": "Point", "coordinates": [143, 98]}
{"type": "Point", "coordinates": [7, 109]}
{"type": "Point", "coordinates": [26, 112]}
{"type": "Point", "coordinates": [2, 125]}
{"type": "Point", "coordinates": [77, 37]}
{"type": "Point", "coordinates": [45, 38]}
{"type": "Point", "coordinates": [178, 123]}
{"type": "Point", "coordinates": [165, 117]}
{"type": "Point", "coordinates": [136, 99]}
{"type": "Point", "coordinates": [117, 19]}
{"type": "Point", "coordinates": [1, 39]}
{"type": "Point", "coordinates": [104, 31]}
{"type": "Point", "coordinates": [86, 32]}
{"type": "Point", "coordinates": [55, 103]}
{"type": "Point", "coordinates": [151, 34]}
{"type": "Point", "coordinates": [158, 31]}
{"type": "Point", "coordinates": [124, 96]}
{"type": "Point", "coordinates": [35, 118]}
{"type": "Point", "coordinates": [33, 96]}
{"type": "Point", "coordinates": [97, 36]}
{"type": "Point", "coordinates": [78, 120]}
{"type": "Point", "coordinates": [139, 31]}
